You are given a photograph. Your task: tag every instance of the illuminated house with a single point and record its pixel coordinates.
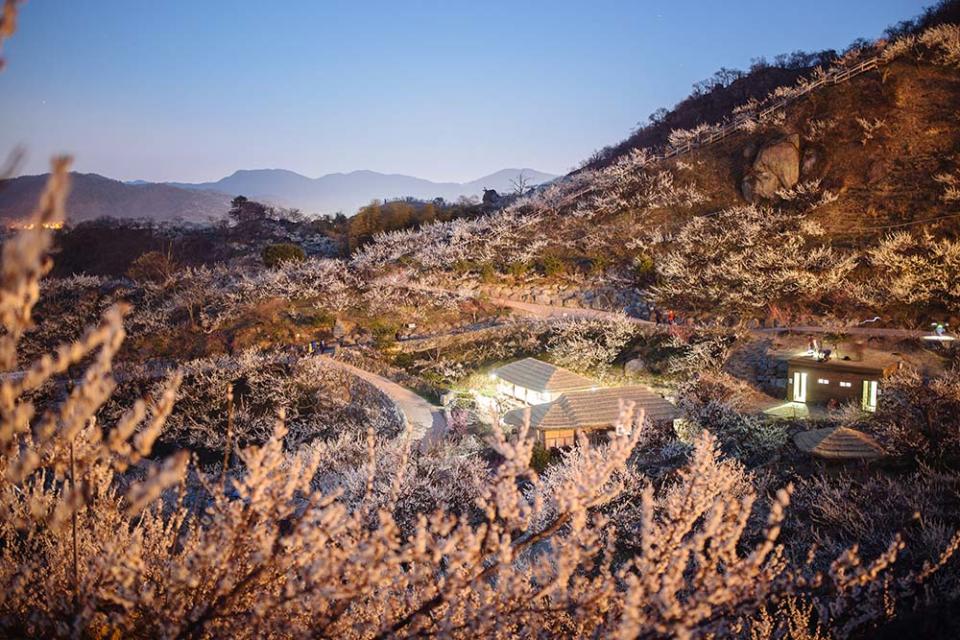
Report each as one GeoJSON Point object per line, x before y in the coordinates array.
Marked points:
{"type": "Point", "coordinates": [595, 411]}
{"type": "Point", "coordinates": [534, 381]}
{"type": "Point", "coordinates": [814, 381]}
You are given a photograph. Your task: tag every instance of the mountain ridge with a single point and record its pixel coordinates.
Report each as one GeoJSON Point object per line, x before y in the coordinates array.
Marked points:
{"type": "Point", "coordinates": [94, 196]}
{"type": "Point", "coordinates": [348, 191]}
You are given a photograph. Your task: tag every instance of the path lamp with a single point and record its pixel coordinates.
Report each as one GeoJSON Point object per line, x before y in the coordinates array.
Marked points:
{"type": "Point", "coordinates": [939, 333]}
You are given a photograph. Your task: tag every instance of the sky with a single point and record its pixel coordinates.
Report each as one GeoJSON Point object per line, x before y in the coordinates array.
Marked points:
{"type": "Point", "coordinates": [192, 90]}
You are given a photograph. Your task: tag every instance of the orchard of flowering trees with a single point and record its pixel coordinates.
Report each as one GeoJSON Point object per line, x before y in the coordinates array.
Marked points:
{"type": "Point", "coordinates": [740, 259]}
{"type": "Point", "coordinates": [750, 257]}
{"type": "Point", "coordinates": [520, 232]}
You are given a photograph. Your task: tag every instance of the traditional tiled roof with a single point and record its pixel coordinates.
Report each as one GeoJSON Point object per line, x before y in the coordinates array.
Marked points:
{"type": "Point", "coordinates": [538, 375]}
{"type": "Point", "coordinates": [593, 409]}
{"type": "Point", "coordinates": [839, 443]}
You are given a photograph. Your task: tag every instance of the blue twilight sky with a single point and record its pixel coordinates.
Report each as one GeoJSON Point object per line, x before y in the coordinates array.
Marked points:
{"type": "Point", "coordinates": [192, 90]}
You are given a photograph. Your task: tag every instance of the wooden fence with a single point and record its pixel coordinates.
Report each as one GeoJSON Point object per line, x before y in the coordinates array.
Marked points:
{"type": "Point", "coordinates": [832, 77]}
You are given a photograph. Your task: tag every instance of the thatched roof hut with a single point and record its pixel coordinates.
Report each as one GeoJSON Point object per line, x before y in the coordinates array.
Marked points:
{"type": "Point", "coordinates": [839, 443]}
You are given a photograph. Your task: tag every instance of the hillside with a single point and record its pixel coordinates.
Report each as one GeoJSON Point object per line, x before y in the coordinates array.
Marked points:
{"type": "Point", "coordinates": [715, 98]}
{"type": "Point", "coordinates": [93, 196]}
{"type": "Point", "coordinates": [347, 192]}
{"type": "Point", "coordinates": [841, 202]}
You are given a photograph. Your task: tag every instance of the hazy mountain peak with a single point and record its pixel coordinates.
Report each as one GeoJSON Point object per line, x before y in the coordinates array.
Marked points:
{"type": "Point", "coordinates": [349, 191]}
{"type": "Point", "coordinates": [94, 195]}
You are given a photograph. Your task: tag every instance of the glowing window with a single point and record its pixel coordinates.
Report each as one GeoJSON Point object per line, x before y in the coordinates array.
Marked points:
{"type": "Point", "coordinates": [846, 384]}
{"type": "Point", "coordinates": [822, 381]}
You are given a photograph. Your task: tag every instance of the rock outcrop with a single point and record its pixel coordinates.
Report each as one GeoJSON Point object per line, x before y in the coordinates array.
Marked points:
{"type": "Point", "coordinates": [776, 166]}
{"type": "Point", "coordinates": [635, 366]}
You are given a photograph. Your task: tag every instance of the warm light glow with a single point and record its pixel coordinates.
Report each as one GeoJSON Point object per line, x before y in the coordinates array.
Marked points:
{"type": "Point", "coordinates": [26, 226]}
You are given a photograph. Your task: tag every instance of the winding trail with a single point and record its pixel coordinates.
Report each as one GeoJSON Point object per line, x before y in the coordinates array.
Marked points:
{"type": "Point", "coordinates": [551, 311]}
{"type": "Point", "coordinates": [554, 311]}
{"type": "Point", "coordinates": [426, 420]}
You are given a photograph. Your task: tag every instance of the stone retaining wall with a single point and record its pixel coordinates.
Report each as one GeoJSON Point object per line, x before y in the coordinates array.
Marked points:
{"type": "Point", "coordinates": [755, 363]}
{"type": "Point", "coordinates": [451, 339]}
{"type": "Point", "coordinates": [387, 408]}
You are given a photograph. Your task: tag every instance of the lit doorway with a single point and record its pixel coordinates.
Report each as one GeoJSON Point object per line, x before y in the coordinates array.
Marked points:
{"type": "Point", "coordinates": [799, 386]}
{"type": "Point", "coordinates": [869, 395]}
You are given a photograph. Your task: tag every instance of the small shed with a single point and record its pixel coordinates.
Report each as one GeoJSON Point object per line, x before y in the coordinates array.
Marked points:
{"type": "Point", "coordinates": [535, 382]}
{"type": "Point", "coordinates": [839, 443]}
{"type": "Point", "coordinates": [594, 411]}
{"type": "Point", "coordinates": [814, 380]}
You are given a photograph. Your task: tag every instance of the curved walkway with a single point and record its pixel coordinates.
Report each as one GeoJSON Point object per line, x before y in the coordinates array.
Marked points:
{"type": "Point", "coordinates": [551, 311]}
{"type": "Point", "coordinates": [424, 419]}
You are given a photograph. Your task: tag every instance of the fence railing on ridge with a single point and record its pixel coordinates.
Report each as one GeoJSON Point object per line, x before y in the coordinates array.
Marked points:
{"type": "Point", "coordinates": [831, 77]}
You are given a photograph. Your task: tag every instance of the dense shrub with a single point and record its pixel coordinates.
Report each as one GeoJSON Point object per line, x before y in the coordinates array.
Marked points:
{"type": "Point", "coordinates": [919, 416]}
{"type": "Point", "coordinates": [487, 273]}
{"type": "Point", "coordinates": [713, 402]}
{"type": "Point", "coordinates": [551, 266]}
{"type": "Point", "coordinates": [275, 254]}
{"type": "Point", "coordinates": [518, 269]}
{"type": "Point", "coordinates": [644, 269]}
{"type": "Point", "coordinates": [152, 266]}
{"type": "Point", "coordinates": [384, 332]}
{"type": "Point", "coordinates": [540, 457]}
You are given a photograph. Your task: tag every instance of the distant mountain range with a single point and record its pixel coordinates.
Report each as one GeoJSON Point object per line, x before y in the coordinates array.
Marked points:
{"type": "Point", "coordinates": [347, 192]}
{"type": "Point", "coordinates": [93, 196]}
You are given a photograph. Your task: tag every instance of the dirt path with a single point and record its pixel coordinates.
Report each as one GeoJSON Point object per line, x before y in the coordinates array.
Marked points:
{"type": "Point", "coordinates": [550, 311]}
{"type": "Point", "coordinates": [425, 419]}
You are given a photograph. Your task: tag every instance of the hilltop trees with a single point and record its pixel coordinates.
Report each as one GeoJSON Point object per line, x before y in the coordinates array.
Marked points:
{"type": "Point", "coordinates": [247, 212]}
{"type": "Point", "coordinates": [397, 215]}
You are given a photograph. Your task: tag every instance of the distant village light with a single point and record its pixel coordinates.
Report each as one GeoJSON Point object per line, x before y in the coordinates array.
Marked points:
{"type": "Point", "coordinates": [26, 226]}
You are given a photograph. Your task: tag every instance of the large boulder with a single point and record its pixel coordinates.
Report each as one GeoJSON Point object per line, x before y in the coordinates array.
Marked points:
{"type": "Point", "coordinates": [777, 166]}
{"type": "Point", "coordinates": [635, 366]}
